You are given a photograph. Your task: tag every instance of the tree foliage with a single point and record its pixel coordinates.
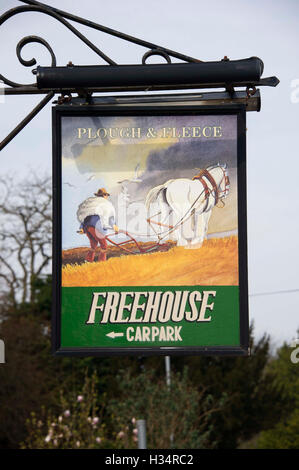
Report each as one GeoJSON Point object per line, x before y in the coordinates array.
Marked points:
{"type": "Point", "coordinates": [26, 378]}
{"type": "Point", "coordinates": [253, 398]}
{"type": "Point", "coordinates": [285, 433]}
{"type": "Point", "coordinates": [177, 416]}
{"type": "Point", "coordinates": [286, 377]}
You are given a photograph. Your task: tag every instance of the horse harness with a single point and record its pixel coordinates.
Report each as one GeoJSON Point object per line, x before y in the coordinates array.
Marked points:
{"type": "Point", "coordinates": [201, 177]}
{"type": "Point", "coordinates": [206, 174]}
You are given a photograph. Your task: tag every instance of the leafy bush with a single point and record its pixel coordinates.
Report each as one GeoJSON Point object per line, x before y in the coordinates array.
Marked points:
{"type": "Point", "coordinates": [176, 417]}
{"type": "Point", "coordinates": [285, 435]}
{"type": "Point", "coordinates": [77, 426]}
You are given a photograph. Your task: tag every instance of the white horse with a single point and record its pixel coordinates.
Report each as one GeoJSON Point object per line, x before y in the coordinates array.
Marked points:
{"type": "Point", "coordinates": [185, 206]}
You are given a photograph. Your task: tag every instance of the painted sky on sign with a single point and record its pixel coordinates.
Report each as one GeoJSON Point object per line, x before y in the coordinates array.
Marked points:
{"type": "Point", "coordinates": [113, 162]}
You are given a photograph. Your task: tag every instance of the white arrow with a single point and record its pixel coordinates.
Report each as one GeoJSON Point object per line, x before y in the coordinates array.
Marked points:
{"type": "Point", "coordinates": [114, 335]}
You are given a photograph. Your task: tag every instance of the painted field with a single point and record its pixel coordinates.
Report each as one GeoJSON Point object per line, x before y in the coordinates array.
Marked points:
{"type": "Point", "coordinates": [215, 263]}
{"type": "Point", "coordinates": [78, 255]}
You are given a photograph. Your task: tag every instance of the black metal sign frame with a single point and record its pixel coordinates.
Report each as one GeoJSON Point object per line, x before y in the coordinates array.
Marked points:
{"type": "Point", "coordinates": [151, 110]}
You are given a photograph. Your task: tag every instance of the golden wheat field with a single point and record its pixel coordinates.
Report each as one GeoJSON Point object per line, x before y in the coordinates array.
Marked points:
{"type": "Point", "coordinates": [215, 263]}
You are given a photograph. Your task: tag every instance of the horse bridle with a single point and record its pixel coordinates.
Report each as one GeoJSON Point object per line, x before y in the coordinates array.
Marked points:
{"type": "Point", "coordinates": [225, 191]}
{"type": "Point", "coordinates": [218, 194]}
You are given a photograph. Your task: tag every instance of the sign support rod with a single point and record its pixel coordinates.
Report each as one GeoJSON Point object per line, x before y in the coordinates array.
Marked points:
{"type": "Point", "coordinates": [168, 370]}
{"type": "Point", "coordinates": [141, 428]}
{"type": "Point", "coordinates": [27, 119]}
{"type": "Point", "coordinates": [168, 383]}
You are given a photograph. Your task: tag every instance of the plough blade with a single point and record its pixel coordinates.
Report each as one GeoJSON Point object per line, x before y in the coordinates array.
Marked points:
{"type": "Point", "coordinates": [132, 240]}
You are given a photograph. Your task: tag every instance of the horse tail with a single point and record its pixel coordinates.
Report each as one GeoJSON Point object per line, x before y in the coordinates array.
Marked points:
{"type": "Point", "coordinates": [153, 194]}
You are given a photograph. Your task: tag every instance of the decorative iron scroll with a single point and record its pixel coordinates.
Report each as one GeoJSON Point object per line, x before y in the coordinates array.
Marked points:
{"type": "Point", "coordinates": [59, 15]}
{"type": "Point", "coordinates": [15, 88]}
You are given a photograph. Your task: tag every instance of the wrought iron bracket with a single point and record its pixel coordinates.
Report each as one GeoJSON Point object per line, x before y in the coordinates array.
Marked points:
{"type": "Point", "coordinates": [86, 92]}
{"type": "Point", "coordinates": [198, 99]}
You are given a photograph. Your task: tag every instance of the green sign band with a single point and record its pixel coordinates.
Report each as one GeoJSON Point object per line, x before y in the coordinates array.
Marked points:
{"type": "Point", "coordinates": [180, 316]}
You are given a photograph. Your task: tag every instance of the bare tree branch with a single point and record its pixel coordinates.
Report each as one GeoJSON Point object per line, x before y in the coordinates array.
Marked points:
{"type": "Point", "coordinates": [25, 234]}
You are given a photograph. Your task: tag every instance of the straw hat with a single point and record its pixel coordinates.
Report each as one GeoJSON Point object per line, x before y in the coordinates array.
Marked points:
{"type": "Point", "coordinates": [101, 192]}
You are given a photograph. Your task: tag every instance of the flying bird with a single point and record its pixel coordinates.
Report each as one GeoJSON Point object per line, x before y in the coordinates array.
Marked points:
{"type": "Point", "coordinates": [135, 179]}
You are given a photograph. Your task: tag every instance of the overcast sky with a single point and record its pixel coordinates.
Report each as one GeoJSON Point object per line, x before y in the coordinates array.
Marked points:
{"type": "Point", "coordinates": [209, 31]}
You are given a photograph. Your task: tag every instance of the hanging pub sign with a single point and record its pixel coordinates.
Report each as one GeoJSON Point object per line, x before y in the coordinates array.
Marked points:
{"type": "Point", "coordinates": [150, 230]}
